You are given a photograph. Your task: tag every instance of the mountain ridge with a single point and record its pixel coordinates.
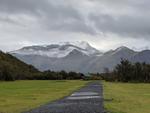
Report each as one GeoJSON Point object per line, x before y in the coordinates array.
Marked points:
{"type": "Point", "coordinates": [57, 50]}
{"type": "Point", "coordinates": [77, 57]}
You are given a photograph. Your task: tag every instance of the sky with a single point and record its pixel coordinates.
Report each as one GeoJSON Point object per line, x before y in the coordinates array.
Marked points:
{"type": "Point", "coordinates": [105, 24]}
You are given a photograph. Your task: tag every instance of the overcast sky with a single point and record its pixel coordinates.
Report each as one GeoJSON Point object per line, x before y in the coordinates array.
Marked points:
{"type": "Point", "coordinates": [105, 24]}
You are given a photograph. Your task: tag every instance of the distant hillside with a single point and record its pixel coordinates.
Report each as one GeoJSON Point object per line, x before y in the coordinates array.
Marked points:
{"type": "Point", "coordinates": [11, 68]}
{"type": "Point", "coordinates": [77, 56]}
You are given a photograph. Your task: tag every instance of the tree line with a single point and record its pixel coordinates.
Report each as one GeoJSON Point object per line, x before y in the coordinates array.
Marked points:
{"type": "Point", "coordinates": [127, 71]}
{"type": "Point", "coordinates": [60, 75]}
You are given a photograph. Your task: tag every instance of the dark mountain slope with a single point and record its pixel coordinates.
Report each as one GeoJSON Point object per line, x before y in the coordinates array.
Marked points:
{"type": "Point", "coordinates": [12, 68]}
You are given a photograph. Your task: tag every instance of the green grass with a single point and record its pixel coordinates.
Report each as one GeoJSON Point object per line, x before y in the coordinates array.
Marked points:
{"type": "Point", "coordinates": [19, 96]}
{"type": "Point", "coordinates": [127, 97]}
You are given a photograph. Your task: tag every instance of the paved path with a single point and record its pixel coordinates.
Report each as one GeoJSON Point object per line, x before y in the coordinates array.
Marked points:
{"type": "Point", "coordinates": [86, 100]}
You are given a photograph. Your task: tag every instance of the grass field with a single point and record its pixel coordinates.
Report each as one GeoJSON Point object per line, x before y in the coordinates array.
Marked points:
{"type": "Point", "coordinates": [127, 97]}
{"type": "Point", "coordinates": [19, 96]}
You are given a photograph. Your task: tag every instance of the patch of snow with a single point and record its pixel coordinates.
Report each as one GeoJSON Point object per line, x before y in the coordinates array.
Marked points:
{"type": "Point", "coordinates": [56, 52]}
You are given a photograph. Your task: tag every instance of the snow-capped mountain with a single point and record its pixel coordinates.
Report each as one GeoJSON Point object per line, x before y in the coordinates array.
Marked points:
{"type": "Point", "coordinates": [58, 50]}
{"type": "Point", "coordinates": [77, 56]}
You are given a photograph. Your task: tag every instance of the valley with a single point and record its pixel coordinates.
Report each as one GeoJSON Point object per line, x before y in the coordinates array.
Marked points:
{"type": "Point", "coordinates": [74, 56]}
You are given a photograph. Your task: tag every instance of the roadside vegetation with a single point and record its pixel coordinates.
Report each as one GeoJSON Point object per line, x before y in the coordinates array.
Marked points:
{"type": "Point", "coordinates": [19, 96]}
{"type": "Point", "coordinates": [127, 97]}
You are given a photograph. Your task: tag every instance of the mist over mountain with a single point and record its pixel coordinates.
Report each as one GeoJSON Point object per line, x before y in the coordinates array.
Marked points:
{"type": "Point", "coordinates": [77, 56]}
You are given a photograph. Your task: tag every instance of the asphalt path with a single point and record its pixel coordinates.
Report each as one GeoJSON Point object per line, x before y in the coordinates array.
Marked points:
{"type": "Point", "coordinates": [88, 99]}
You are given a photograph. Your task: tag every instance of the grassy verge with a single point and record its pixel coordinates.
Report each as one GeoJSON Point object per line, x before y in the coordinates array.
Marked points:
{"type": "Point", "coordinates": [127, 97]}
{"type": "Point", "coordinates": [19, 96]}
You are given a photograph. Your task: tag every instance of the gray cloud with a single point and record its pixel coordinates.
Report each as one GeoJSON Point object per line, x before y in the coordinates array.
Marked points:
{"type": "Point", "coordinates": [125, 17]}
{"type": "Point", "coordinates": [32, 20]}
{"type": "Point", "coordinates": [52, 16]}
{"type": "Point", "coordinates": [22, 6]}
{"type": "Point", "coordinates": [132, 26]}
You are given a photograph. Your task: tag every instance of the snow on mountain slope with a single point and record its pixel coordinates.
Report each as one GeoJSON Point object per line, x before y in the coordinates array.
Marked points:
{"type": "Point", "coordinates": [77, 56]}
{"type": "Point", "coordinates": [58, 50]}
{"type": "Point", "coordinates": [82, 44]}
